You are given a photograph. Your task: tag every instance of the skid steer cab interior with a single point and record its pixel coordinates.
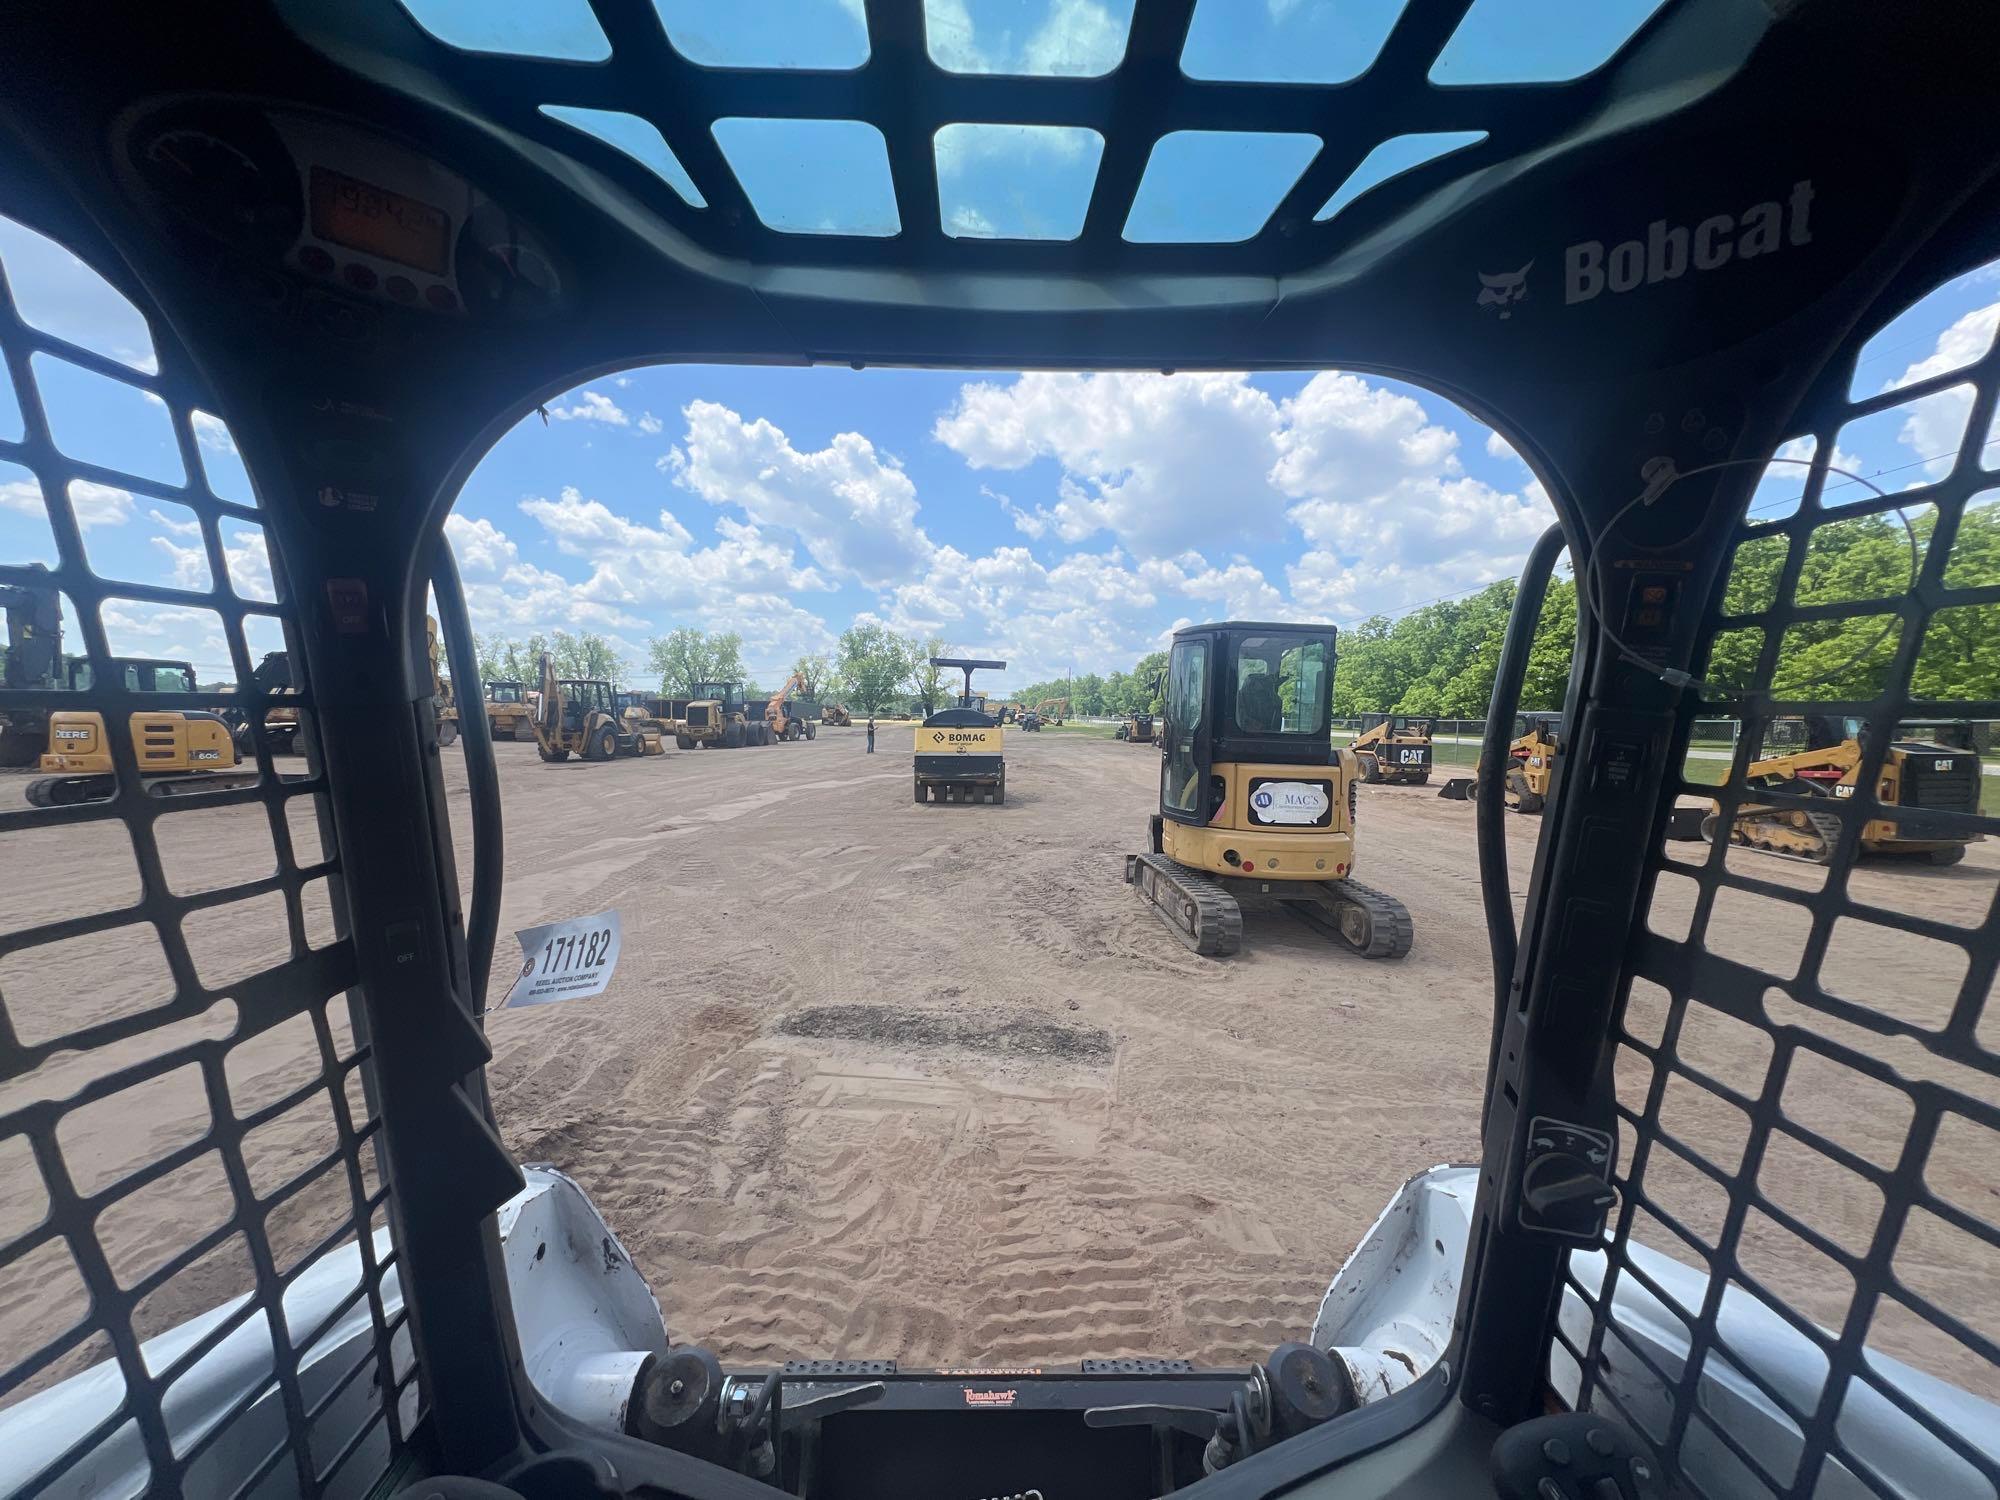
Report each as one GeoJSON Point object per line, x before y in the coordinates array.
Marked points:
{"type": "Point", "coordinates": [1659, 247]}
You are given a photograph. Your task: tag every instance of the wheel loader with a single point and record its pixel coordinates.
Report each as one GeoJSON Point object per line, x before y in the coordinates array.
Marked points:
{"type": "Point", "coordinates": [1256, 804]}
{"type": "Point", "coordinates": [959, 755]}
{"type": "Point", "coordinates": [1395, 748]}
{"type": "Point", "coordinates": [580, 716]}
{"type": "Point", "coordinates": [508, 712]}
{"type": "Point", "coordinates": [1920, 776]}
{"type": "Point", "coordinates": [179, 750]}
{"type": "Point", "coordinates": [442, 699]}
{"type": "Point", "coordinates": [1530, 766]}
{"type": "Point", "coordinates": [715, 716]}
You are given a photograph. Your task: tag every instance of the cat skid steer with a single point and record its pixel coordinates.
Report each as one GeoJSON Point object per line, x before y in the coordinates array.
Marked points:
{"type": "Point", "coordinates": [1650, 245]}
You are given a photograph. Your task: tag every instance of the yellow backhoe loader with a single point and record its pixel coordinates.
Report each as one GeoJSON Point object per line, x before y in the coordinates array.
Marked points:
{"type": "Point", "coordinates": [1921, 778]}
{"type": "Point", "coordinates": [837, 714]}
{"type": "Point", "coordinates": [1395, 748]}
{"type": "Point", "coordinates": [1052, 710]}
{"type": "Point", "coordinates": [580, 716]}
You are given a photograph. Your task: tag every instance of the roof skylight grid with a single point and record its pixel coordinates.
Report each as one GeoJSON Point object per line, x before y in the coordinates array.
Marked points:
{"type": "Point", "coordinates": [1216, 186]}
{"type": "Point", "coordinates": [639, 139]}
{"type": "Point", "coordinates": [562, 30]}
{"type": "Point", "coordinates": [824, 156]}
{"type": "Point", "coordinates": [1394, 157]}
{"type": "Point", "coordinates": [825, 34]}
{"type": "Point", "coordinates": [1538, 41]}
{"type": "Point", "coordinates": [813, 176]}
{"type": "Point", "coordinates": [1032, 38]}
{"type": "Point", "coordinates": [1287, 41]}
{"type": "Point", "coordinates": [1026, 182]}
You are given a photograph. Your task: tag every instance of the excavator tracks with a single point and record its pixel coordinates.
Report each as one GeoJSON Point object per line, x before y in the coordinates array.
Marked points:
{"type": "Point", "coordinates": [1358, 917]}
{"type": "Point", "coordinates": [1789, 833]}
{"type": "Point", "coordinates": [1197, 910]}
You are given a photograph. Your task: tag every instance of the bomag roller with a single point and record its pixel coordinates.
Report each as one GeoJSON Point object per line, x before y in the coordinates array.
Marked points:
{"type": "Point", "coordinates": [1395, 748]}
{"type": "Point", "coordinates": [1531, 764]}
{"type": "Point", "coordinates": [178, 749]}
{"type": "Point", "coordinates": [1925, 781]}
{"type": "Point", "coordinates": [1255, 801]}
{"type": "Point", "coordinates": [959, 755]}
{"type": "Point", "coordinates": [580, 716]}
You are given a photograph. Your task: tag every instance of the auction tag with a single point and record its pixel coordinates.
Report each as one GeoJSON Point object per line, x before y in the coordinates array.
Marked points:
{"type": "Point", "coordinates": [566, 960]}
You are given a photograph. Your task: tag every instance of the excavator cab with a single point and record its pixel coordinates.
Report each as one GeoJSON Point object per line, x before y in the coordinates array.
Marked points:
{"type": "Point", "coordinates": [1255, 801]}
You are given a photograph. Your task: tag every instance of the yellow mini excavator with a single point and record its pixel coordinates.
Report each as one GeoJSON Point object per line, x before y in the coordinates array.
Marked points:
{"type": "Point", "coordinates": [178, 749]}
{"type": "Point", "coordinates": [1395, 747]}
{"type": "Point", "coordinates": [1255, 801]}
{"type": "Point", "coordinates": [1920, 778]}
{"type": "Point", "coordinates": [580, 716]}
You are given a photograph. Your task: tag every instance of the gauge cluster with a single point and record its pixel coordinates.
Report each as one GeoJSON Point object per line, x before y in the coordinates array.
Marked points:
{"type": "Point", "coordinates": [347, 222]}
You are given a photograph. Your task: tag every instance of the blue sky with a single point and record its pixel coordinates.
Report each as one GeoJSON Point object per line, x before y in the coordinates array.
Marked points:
{"type": "Point", "coordinates": [1056, 521]}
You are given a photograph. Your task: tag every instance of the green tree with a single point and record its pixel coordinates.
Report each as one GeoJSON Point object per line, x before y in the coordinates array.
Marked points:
{"type": "Point", "coordinates": [687, 656]}
{"type": "Point", "coordinates": [926, 682]}
{"type": "Point", "coordinates": [583, 655]}
{"type": "Point", "coordinates": [1150, 681]}
{"type": "Point", "coordinates": [874, 663]}
{"type": "Point", "coordinates": [814, 669]}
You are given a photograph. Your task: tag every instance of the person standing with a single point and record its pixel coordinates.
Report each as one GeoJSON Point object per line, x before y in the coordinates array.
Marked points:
{"type": "Point", "coordinates": [871, 734]}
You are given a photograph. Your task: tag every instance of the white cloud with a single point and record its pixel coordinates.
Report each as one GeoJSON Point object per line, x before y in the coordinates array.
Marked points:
{"type": "Point", "coordinates": [189, 527]}
{"type": "Point", "coordinates": [1499, 447]}
{"type": "Point", "coordinates": [852, 508]}
{"type": "Point", "coordinates": [592, 406]}
{"type": "Point", "coordinates": [651, 425]}
{"type": "Point", "coordinates": [1148, 457]}
{"type": "Point", "coordinates": [95, 504]}
{"type": "Point", "coordinates": [1936, 424]}
{"type": "Point", "coordinates": [1074, 37]}
{"type": "Point", "coordinates": [99, 504]}
{"type": "Point", "coordinates": [212, 433]}
{"type": "Point", "coordinates": [249, 565]}
{"type": "Point", "coordinates": [478, 544]}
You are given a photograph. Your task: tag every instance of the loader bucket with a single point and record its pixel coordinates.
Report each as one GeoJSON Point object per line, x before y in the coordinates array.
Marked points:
{"type": "Point", "coordinates": [1458, 789]}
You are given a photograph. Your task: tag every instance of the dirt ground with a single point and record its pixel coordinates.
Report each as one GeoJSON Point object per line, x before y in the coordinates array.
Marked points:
{"type": "Point", "coordinates": [881, 1080]}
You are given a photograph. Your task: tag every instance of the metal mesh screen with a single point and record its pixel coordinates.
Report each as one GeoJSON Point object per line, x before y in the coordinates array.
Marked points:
{"type": "Point", "coordinates": [1807, 1079]}
{"type": "Point", "coordinates": [185, 1122]}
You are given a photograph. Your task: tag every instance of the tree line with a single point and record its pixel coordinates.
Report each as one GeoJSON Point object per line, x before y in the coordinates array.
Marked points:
{"type": "Point", "coordinates": [1441, 659]}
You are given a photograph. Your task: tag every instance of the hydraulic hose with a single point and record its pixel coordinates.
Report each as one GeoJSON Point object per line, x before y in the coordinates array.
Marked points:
{"type": "Point", "coordinates": [1489, 795]}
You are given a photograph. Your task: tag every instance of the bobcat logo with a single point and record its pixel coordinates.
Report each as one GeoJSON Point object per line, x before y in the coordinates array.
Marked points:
{"type": "Point", "coordinates": [1504, 289]}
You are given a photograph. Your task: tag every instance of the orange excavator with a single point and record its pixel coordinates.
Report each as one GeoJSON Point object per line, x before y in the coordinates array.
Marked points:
{"type": "Point", "coordinates": [780, 713]}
